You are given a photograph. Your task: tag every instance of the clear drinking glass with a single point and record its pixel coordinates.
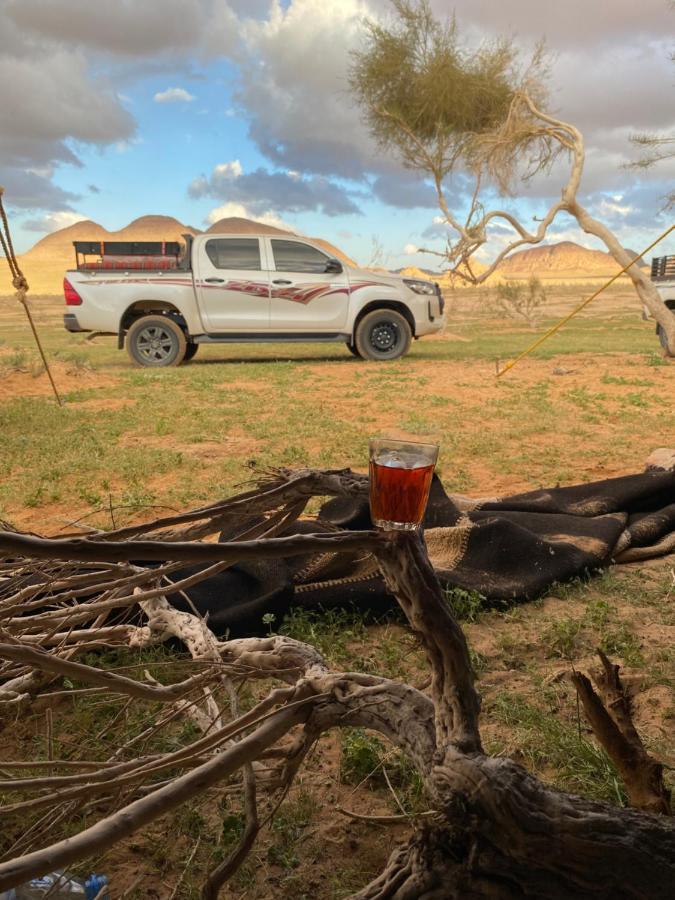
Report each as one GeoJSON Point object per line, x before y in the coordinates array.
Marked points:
{"type": "Point", "coordinates": [400, 478]}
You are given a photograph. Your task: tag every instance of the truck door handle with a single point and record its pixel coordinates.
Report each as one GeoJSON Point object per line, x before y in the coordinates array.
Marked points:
{"type": "Point", "coordinates": [281, 281]}
{"type": "Point", "coordinates": [214, 280]}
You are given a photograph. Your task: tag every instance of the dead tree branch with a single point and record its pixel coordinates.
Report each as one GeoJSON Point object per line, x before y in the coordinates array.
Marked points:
{"type": "Point", "coordinates": [609, 711]}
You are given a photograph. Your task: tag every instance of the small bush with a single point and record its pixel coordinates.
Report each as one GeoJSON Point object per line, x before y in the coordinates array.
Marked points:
{"type": "Point", "coordinates": [520, 301]}
{"type": "Point", "coordinates": [466, 606]}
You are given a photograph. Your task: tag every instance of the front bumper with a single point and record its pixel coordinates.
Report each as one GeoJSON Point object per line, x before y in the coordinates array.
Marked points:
{"type": "Point", "coordinates": [70, 323]}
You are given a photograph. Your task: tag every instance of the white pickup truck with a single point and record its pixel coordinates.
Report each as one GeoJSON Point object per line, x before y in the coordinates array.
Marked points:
{"type": "Point", "coordinates": [164, 299]}
{"type": "Point", "coordinates": [663, 275]}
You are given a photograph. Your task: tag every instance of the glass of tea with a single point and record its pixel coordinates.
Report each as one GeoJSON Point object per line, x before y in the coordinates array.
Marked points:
{"type": "Point", "coordinates": [400, 478]}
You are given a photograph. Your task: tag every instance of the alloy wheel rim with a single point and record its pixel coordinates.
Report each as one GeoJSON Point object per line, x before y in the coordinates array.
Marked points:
{"type": "Point", "coordinates": [155, 343]}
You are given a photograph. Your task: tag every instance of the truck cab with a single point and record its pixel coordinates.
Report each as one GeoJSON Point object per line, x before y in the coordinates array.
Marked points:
{"type": "Point", "coordinates": [164, 299]}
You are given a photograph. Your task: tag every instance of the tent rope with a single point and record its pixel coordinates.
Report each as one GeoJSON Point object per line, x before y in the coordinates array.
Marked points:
{"type": "Point", "coordinates": [21, 287]}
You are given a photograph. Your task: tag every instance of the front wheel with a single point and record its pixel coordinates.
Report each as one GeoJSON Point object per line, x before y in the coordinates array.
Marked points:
{"type": "Point", "coordinates": [382, 334]}
{"type": "Point", "coordinates": [156, 341]}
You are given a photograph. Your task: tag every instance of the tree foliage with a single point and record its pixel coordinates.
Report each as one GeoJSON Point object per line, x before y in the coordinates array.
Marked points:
{"type": "Point", "coordinates": [423, 91]}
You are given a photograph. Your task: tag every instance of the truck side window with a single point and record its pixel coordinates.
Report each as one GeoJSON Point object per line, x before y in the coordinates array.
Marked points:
{"type": "Point", "coordinates": [290, 256]}
{"type": "Point", "coordinates": [234, 253]}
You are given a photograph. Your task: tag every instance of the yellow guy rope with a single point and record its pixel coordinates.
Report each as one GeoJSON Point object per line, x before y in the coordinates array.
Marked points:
{"type": "Point", "coordinates": [582, 305]}
{"type": "Point", "coordinates": [21, 285]}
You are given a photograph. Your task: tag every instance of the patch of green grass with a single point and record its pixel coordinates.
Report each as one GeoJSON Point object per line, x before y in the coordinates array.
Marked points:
{"type": "Point", "coordinates": [331, 631]}
{"type": "Point", "coordinates": [563, 638]}
{"type": "Point", "coordinates": [556, 750]}
{"type": "Point", "coordinates": [364, 759]}
{"type": "Point", "coordinates": [467, 606]}
{"type": "Point", "coordinates": [619, 379]}
{"type": "Point", "coordinates": [288, 829]}
{"type": "Point", "coordinates": [15, 362]}
{"type": "Point", "coordinates": [622, 641]}
{"type": "Point", "coordinates": [654, 358]}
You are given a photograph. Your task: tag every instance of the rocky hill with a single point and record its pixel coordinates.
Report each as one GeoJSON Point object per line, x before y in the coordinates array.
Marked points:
{"type": "Point", "coordinates": [565, 261]}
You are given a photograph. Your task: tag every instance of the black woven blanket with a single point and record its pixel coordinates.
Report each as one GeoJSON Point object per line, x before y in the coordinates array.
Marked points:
{"type": "Point", "coordinates": [509, 548]}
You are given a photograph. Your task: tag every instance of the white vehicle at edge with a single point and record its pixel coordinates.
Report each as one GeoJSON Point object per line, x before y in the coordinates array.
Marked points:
{"type": "Point", "coordinates": [163, 300]}
{"type": "Point", "coordinates": [663, 275]}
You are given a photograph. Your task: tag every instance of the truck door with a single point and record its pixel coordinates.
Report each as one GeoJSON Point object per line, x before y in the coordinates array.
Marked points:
{"type": "Point", "coordinates": [232, 284]}
{"type": "Point", "coordinates": [308, 291]}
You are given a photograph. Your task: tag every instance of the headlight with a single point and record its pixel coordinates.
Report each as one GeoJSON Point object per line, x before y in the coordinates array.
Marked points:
{"type": "Point", "coordinates": [420, 287]}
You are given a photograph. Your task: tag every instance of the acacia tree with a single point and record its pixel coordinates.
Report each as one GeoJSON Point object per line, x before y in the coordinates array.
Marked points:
{"type": "Point", "coordinates": [480, 114]}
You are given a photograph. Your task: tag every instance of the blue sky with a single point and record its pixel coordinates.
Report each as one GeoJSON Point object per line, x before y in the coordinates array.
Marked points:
{"type": "Point", "coordinates": [261, 123]}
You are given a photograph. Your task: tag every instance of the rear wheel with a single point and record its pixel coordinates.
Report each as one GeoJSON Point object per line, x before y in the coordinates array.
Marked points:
{"type": "Point", "coordinates": [382, 334]}
{"type": "Point", "coordinates": [156, 341]}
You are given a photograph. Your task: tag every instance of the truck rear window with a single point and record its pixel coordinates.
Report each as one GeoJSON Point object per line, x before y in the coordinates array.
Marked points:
{"type": "Point", "coordinates": [234, 253]}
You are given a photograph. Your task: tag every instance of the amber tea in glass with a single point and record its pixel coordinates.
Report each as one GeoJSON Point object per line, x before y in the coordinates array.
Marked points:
{"type": "Point", "coordinates": [400, 478]}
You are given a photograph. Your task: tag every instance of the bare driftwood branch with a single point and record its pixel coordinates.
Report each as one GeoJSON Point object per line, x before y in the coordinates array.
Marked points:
{"type": "Point", "coordinates": [609, 711]}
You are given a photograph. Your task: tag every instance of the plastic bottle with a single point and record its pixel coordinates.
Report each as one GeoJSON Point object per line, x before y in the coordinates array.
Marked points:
{"type": "Point", "coordinates": [93, 885]}
{"type": "Point", "coordinates": [59, 886]}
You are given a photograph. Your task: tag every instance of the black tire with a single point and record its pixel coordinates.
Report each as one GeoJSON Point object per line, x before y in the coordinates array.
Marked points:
{"type": "Point", "coordinates": [190, 351]}
{"type": "Point", "coordinates": [156, 341]}
{"type": "Point", "coordinates": [382, 334]}
{"type": "Point", "coordinates": [352, 349]}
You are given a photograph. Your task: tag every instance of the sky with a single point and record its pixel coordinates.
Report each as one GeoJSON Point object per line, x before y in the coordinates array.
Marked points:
{"type": "Point", "coordinates": [201, 109]}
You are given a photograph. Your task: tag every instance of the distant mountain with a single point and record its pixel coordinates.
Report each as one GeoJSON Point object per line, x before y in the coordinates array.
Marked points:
{"type": "Point", "coordinates": [563, 261]}
{"type": "Point", "coordinates": [46, 262]}
{"type": "Point", "coordinates": [239, 225]}
{"type": "Point", "coordinates": [421, 272]}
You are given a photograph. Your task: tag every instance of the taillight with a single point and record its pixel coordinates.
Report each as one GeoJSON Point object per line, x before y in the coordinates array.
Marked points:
{"type": "Point", "coordinates": [71, 295]}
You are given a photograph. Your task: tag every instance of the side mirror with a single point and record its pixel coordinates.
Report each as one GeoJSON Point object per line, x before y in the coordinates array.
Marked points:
{"type": "Point", "coordinates": [333, 266]}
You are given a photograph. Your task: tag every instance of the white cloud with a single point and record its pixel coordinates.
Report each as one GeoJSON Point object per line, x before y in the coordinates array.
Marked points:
{"type": "Point", "coordinates": [409, 249]}
{"type": "Point", "coordinates": [229, 169]}
{"type": "Point", "coordinates": [53, 221]}
{"type": "Point", "coordinates": [612, 209]}
{"type": "Point", "coordinates": [173, 95]}
{"type": "Point", "coordinates": [240, 211]}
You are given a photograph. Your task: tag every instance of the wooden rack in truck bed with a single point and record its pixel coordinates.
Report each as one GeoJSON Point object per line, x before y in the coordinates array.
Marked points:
{"type": "Point", "coordinates": [127, 255]}
{"type": "Point", "coordinates": [663, 268]}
